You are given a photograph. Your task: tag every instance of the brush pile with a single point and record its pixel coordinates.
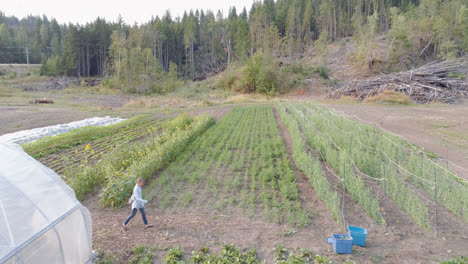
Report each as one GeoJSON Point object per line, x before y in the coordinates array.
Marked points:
{"type": "Point", "coordinates": [437, 81]}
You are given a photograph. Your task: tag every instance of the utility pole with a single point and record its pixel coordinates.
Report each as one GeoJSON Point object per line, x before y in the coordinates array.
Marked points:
{"type": "Point", "coordinates": [27, 55]}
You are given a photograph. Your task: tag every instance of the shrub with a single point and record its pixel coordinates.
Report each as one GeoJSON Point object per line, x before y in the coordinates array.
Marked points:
{"type": "Point", "coordinates": [229, 81]}
{"type": "Point", "coordinates": [180, 122]}
{"type": "Point", "coordinates": [52, 67]}
{"type": "Point", "coordinates": [322, 72]}
{"type": "Point", "coordinates": [261, 74]}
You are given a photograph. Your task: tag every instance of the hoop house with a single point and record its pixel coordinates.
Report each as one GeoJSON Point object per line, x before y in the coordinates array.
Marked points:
{"type": "Point", "coordinates": [41, 221]}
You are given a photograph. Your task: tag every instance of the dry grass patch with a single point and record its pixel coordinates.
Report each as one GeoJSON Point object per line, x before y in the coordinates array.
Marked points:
{"type": "Point", "coordinates": [249, 98]}
{"type": "Point", "coordinates": [144, 102]}
{"type": "Point", "coordinates": [389, 97]}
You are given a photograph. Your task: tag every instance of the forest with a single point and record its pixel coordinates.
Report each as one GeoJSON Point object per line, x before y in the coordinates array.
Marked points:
{"type": "Point", "coordinates": [202, 43]}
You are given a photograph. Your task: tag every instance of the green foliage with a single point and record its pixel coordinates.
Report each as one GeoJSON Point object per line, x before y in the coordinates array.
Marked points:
{"type": "Point", "coordinates": [367, 54]}
{"type": "Point", "coordinates": [433, 29]}
{"type": "Point", "coordinates": [242, 161]}
{"type": "Point", "coordinates": [203, 43]}
{"type": "Point", "coordinates": [175, 256]}
{"type": "Point", "coordinates": [229, 255]}
{"type": "Point", "coordinates": [53, 66]}
{"type": "Point", "coordinates": [322, 72]}
{"type": "Point", "coordinates": [142, 255]}
{"type": "Point", "coordinates": [50, 145]}
{"type": "Point", "coordinates": [321, 45]}
{"type": "Point", "coordinates": [153, 155]}
{"type": "Point", "coordinates": [311, 167]}
{"type": "Point", "coordinates": [181, 122]}
{"type": "Point", "coordinates": [84, 179]}
{"type": "Point", "coordinates": [406, 167]}
{"type": "Point", "coordinates": [230, 80]}
{"type": "Point", "coordinates": [457, 260]}
{"type": "Point", "coordinates": [259, 75]}
{"type": "Point", "coordinates": [262, 74]}
{"type": "Point", "coordinates": [104, 257]}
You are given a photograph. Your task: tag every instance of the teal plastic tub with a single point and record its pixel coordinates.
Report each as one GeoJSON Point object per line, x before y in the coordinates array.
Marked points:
{"type": "Point", "coordinates": [358, 234]}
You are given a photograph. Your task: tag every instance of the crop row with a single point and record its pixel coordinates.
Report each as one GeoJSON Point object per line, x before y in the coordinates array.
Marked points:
{"type": "Point", "coordinates": [372, 147]}
{"type": "Point", "coordinates": [101, 146]}
{"type": "Point", "coordinates": [50, 145]}
{"type": "Point", "coordinates": [154, 154]}
{"type": "Point", "coordinates": [311, 166]}
{"type": "Point", "coordinates": [242, 161]}
{"type": "Point", "coordinates": [121, 165]}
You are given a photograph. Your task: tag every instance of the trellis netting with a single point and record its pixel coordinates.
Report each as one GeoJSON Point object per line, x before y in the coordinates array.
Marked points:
{"type": "Point", "coordinates": [41, 221]}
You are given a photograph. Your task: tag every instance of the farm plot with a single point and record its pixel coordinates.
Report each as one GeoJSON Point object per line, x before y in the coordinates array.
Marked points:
{"type": "Point", "coordinates": [91, 143]}
{"type": "Point", "coordinates": [119, 154]}
{"type": "Point", "coordinates": [238, 166]}
{"type": "Point", "coordinates": [93, 150]}
{"type": "Point", "coordinates": [369, 161]}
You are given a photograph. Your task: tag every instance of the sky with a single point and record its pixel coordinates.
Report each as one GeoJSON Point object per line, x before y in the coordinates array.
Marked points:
{"type": "Point", "coordinates": [140, 11]}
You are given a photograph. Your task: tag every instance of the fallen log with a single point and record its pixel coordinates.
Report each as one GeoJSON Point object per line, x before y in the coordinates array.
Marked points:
{"type": "Point", "coordinates": [42, 101]}
{"type": "Point", "coordinates": [437, 81]}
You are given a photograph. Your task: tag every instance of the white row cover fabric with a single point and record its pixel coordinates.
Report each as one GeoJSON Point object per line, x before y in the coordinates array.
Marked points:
{"type": "Point", "coordinates": [41, 221]}
{"type": "Point", "coordinates": [31, 135]}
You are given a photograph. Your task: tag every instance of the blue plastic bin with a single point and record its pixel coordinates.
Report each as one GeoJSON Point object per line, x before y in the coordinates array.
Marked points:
{"type": "Point", "coordinates": [342, 243]}
{"type": "Point", "coordinates": [358, 234]}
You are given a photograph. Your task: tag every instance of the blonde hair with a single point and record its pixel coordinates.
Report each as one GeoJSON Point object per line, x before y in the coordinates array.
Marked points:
{"type": "Point", "coordinates": [139, 180]}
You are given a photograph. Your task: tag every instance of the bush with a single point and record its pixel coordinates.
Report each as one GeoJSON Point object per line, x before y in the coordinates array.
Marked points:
{"type": "Point", "coordinates": [261, 74]}
{"type": "Point", "coordinates": [322, 72]}
{"type": "Point", "coordinates": [52, 67]}
{"type": "Point", "coordinates": [181, 122]}
{"type": "Point", "coordinates": [229, 80]}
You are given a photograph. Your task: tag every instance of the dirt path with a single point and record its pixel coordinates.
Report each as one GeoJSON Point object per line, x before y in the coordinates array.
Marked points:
{"type": "Point", "coordinates": [15, 118]}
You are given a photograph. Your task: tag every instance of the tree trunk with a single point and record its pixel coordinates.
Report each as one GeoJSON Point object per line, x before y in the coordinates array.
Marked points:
{"type": "Point", "coordinates": [118, 66]}
{"type": "Point", "coordinates": [229, 53]}
{"type": "Point", "coordinates": [192, 63]}
{"type": "Point", "coordinates": [88, 65]}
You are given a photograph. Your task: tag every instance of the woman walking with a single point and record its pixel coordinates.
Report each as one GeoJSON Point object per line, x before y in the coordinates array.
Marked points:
{"type": "Point", "coordinates": [137, 203]}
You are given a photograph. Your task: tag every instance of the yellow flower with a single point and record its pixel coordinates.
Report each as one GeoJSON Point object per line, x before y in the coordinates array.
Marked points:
{"type": "Point", "coordinates": [139, 153]}
{"type": "Point", "coordinates": [76, 151]}
{"type": "Point", "coordinates": [147, 149]}
{"type": "Point", "coordinates": [123, 162]}
{"type": "Point", "coordinates": [92, 151]}
{"type": "Point", "coordinates": [87, 147]}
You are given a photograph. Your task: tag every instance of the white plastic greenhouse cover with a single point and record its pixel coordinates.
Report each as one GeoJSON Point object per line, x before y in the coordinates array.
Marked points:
{"type": "Point", "coordinates": [41, 221]}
